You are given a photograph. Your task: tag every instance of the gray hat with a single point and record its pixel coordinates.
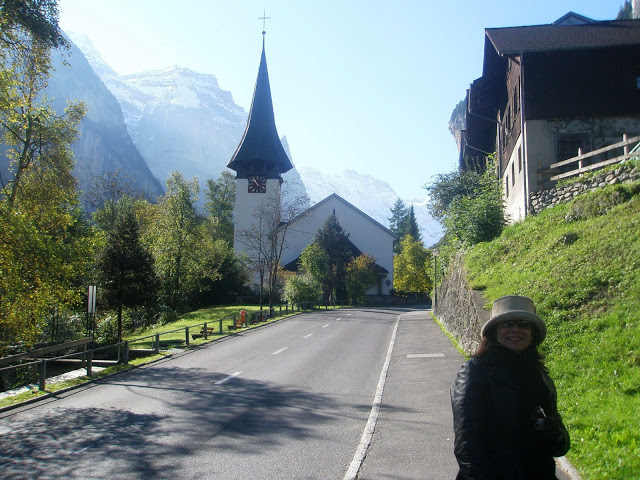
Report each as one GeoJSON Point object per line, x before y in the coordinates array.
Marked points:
{"type": "Point", "coordinates": [515, 307]}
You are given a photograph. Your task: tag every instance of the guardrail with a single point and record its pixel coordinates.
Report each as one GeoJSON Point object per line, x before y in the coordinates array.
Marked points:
{"type": "Point", "coordinates": [88, 353]}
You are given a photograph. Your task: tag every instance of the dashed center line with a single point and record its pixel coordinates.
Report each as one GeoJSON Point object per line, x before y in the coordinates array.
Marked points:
{"type": "Point", "coordinates": [280, 351]}
{"type": "Point", "coordinates": [220, 382]}
{"type": "Point", "coordinates": [325, 326]}
{"type": "Point", "coordinates": [338, 319]}
{"type": "Point", "coordinates": [307, 336]}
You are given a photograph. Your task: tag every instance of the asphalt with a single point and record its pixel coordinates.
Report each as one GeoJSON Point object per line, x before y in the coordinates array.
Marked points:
{"type": "Point", "coordinates": [413, 437]}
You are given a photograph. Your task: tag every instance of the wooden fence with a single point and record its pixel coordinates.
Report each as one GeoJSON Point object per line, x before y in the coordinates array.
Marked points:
{"type": "Point", "coordinates": [579, 160]}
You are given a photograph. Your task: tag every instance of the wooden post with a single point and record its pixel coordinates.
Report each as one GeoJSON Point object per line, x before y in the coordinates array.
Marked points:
{"type": "Point", "coordinates": [580, 161]}
{"type": "Point", "coordinates": [125, 359]}
{"type": "Point", "coordinates": [43, 374]}
{"type": "Point", "coordinates": [625, 138]}
{"type": "Point", "coordinates": [90, 363]}
{"type": "Point", "coordinates": [220, 326]}
{"type": "Point", "coordinates": [204, 330]}
{"type": "Point", "coordinates": [186, 335]}
{"type": "Point", "coordinates": [157, 349]}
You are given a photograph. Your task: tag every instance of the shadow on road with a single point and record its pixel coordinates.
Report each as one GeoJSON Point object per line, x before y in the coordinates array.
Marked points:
{"type": "Point", "coordinates": [169, 414]}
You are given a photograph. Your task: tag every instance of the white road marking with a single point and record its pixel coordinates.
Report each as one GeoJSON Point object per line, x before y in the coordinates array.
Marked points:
{"type": "Point", "coordinates": [220, 382]}
{"type": "Point", "coordinates": [338, 319]}
{"type": "Point", "coordinates": [367, 435]}
{"type": "Point", "coordinates": [425, 355]}
{"type": "Point", "coordinates": [307, 336]}
{"type": "Point", "coordinates": [325, 326]}
{"type": "Point", "coordinates": [280, 351]}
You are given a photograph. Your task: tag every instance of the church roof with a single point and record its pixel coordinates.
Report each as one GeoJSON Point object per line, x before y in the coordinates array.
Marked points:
{"type": "Point", "coordinates": [353, 207]}
{"type": "Point", "coordinates": [260, 150]}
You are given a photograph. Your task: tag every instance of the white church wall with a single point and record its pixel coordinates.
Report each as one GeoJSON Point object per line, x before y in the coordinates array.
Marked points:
{"type": "Point", "coordinates": [364, 232]}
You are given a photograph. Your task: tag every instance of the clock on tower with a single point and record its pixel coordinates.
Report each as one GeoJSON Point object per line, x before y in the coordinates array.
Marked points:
{"type": "Point", "coordinates": [257, 184]}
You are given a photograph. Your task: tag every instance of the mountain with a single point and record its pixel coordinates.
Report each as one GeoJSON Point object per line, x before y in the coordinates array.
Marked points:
{"type": "Point", "coordinates": [178, 118]}
{"type": "Point", "coordinates": [181, 119]}
{"type": "Point", "coordinates": [457, 122]}
{"type": "Point", "coordinates": [104, 145]}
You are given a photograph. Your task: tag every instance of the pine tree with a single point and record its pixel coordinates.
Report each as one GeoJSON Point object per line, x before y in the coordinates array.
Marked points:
{"type": "Point", "coordinates": [410, 226]}
{"type": "Point", "coordinates": [335, 242]}
{"type": "Point", "coordinates": [126, 266]}
{"type": "Point", "coordinates": [398, 215]}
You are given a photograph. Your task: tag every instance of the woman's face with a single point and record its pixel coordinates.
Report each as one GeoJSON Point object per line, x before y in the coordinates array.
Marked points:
{"type": "Point", "coordinates": [515, 334]}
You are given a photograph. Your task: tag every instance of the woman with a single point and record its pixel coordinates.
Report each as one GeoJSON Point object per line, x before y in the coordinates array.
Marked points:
{"type": "Point", "coordinates": [505, 415]}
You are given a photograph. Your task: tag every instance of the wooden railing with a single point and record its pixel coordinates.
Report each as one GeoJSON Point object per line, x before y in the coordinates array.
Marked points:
{"type": "Point", "coordinates": [580, 158]}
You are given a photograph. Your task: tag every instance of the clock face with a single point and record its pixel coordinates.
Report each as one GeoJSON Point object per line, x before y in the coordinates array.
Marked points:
{"type": "Point", "coordinates": [257, 184]}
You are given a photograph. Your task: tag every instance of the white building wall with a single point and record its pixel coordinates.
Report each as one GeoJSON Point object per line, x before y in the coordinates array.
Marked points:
{"type": "Point", "coordinates": [538, 151]}
{"type": "Point", "coordinates": [364, 233]}
{"type": "Point", "coordinates": [247, 207]}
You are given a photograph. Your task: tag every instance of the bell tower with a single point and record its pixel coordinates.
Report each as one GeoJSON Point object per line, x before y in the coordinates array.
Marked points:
{"type": "Point", "coordinates": [259, 161]}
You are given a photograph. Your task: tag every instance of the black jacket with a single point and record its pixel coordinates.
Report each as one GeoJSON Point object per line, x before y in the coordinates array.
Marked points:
{"type": "Point", "coordinates": [494, 398]}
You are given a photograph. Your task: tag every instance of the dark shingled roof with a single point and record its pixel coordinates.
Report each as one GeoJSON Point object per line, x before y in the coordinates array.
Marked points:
{"type": "Point", "coordinates": [260, 150]}
{"type": "Point", "coordinates": [542, 38]}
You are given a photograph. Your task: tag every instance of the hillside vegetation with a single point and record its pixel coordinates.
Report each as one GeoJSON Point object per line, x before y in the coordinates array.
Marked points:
{"type": "Point", "coordinates": [580, 262]}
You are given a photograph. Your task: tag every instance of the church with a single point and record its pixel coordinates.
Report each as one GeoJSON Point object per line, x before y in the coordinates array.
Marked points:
{"type": "Point", "coordinates": [259, 162]}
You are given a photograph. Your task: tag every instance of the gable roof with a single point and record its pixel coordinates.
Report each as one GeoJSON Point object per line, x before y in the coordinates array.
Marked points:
{"type": "Point", "coordinates": [260, 150]}
{"type": "Point", "coordinates": [557, 37]}
{"type": "Point", "coordinates": [339, 198]}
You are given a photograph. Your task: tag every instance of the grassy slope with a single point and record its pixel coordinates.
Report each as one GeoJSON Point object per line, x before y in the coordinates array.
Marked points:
{"type": "Point", "coordinates": [584, 276]}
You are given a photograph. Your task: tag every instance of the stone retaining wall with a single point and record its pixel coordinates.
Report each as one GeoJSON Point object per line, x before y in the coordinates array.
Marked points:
{"type": "Point", "coordinates": [459, 308]}
{"type": "Point", "coordinates": [626, 173]}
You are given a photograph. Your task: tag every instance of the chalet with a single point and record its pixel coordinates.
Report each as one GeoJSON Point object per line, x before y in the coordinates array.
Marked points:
{"type": "Point", "coordinates": [547, 94]}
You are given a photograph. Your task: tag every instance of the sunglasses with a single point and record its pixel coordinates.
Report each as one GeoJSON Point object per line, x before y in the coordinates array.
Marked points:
{"type": "Point", "coordinates": [521, 324]}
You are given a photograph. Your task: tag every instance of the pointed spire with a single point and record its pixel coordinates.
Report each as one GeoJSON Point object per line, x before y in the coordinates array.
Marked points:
{"type": "Point", "coordinates": [260, 150]}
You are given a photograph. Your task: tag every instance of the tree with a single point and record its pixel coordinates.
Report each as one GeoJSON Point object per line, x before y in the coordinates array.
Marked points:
{"type": "Point", "coordinates": [126, 266]}
{"type": "Point", "coordinates": [37, 18]}
{"type": "Point", "coordinates": [336, 245]}
{"type": "Point", "coordinates": [315, 261]}
{"type": "Point", "coordinates": [46, 247]}
{"type": "Point", "coordinates": [266, 238]}
{"type": "Point", "coordinates": [221, 196]}
{"type": "Point", "coordinates": [174, 238]}
{"type": "Point", "coordinates": [469, 204]}
{"type": "Point", "coordinates": [412, 267]}
{"type": "Point", "coordinates": [398, 216]}
{"type": "Point", "coordinates": [361, 275]}
{"type": "Point", "coordinates": [410, 225]}
{"type": "Point", "coordinates": [626, 11]}
{"type": "Point", "coordinates": [303, 288]}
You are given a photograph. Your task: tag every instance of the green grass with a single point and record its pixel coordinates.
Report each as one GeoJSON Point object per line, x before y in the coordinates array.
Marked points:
{"type": "Point", "coordinates": [580, 263]}
{"type": "Point", "coordinates": [211, 315]}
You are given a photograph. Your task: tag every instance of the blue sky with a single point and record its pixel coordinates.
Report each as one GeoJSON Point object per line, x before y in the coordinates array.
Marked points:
{"type": "Point", "coordinates": [357, 84]}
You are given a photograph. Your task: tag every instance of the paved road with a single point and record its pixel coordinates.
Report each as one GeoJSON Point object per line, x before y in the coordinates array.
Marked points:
{"type": "Point", "coordinates": [289, 400]}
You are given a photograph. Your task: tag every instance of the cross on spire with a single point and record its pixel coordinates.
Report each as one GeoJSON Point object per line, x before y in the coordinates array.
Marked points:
{"type": "Point", "coordinates": [264, 18]}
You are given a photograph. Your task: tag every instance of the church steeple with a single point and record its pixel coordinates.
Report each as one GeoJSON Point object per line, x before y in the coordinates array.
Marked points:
{"type": "Point", "coordinates": [260, 151]}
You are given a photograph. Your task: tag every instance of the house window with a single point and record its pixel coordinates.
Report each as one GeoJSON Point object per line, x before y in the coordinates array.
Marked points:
{"type": "Point", "coordinates": [513, 174]}
{"type": "Point", "coordinates": [638, 83]}
{"type": "Point", "coordinates": [506, 185]}
{"type": "Point", "coordinates": [567, 144]}
{"type": "Point", "coordinates": [519, 159]}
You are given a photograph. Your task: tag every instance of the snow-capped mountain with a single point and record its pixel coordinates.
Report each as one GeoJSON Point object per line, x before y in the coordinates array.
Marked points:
{"type": "Point", "coordinates": [181, 120]}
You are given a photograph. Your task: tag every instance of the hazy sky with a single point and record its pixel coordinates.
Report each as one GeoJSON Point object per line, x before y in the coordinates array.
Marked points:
{"type": "Point", "coordinates": [356, 84]}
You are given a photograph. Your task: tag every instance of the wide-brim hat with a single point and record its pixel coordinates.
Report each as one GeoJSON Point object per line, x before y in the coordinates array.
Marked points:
{"type": "Point", "coordinates": [516, 307]}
